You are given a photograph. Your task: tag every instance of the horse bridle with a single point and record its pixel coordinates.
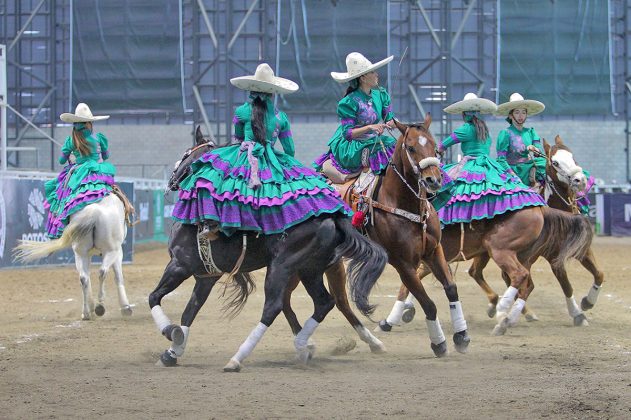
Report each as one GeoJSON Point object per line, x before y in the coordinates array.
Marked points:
{"type": "Point", "coordinates": [189, 152]}
{"type": "Point", "coordinates": [571, 199]}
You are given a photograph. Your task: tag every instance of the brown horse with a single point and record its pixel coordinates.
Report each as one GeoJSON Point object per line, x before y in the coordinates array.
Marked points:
{"type": "Point", "coordinates": [407, 226]}
{"type": "Point", "coordinates": [564, 236]}
{"type": "Point", "coordinates": [564, 181]}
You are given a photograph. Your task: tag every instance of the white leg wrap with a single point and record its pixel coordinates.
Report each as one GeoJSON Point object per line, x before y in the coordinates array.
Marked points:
{"type": "Point", "coordinates": [396, 313]}
{"type": "Point", "coordinates": [162, 321]}
{"type": "Point", "coordinates": [457, 318]}
{"type": "Point", "coordinates": [178, 351]}
{"type": "Point", "coordinates": [515, 311]}
{"type": "Point", "coordinates": [572, 307]}
{"type": "Point", "coordinates": [302, 338]}
{"type": "Point", "coordinates": [592, 295]}
{"type": "Point", "coordinates": [436, 335]}
{"type": "Point", "coordinates": [250, 342]}
{"type": "Point", "coordinates": [409, 301]}
{"type": "Point", "coordinates": [506, 301]}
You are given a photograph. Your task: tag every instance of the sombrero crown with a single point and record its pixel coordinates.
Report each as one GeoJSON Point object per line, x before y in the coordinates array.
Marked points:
{"type": "Point", "coordinates": [82, 113]}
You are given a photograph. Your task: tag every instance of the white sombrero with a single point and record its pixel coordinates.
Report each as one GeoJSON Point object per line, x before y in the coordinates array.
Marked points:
{"type": "Point", "coordinates": [471, 102]}
{"type": "Point", "coordinates": [517, 101]}
{"type": "Point", "coordinates": [264, 81]}
{"type": "Point", "coordinates": [82, 113]}
{"type": "Point", "coordinates": [358, 65]}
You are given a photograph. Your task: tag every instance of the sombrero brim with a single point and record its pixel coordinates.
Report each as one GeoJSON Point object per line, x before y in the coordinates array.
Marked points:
{"type": "Point", "coordinates": [279, 85]}
{"type": "Point", "coordinates": [345, 77]}
{"type": "Point", "coordinates": [484, 106]}
{"type": "Point", "coordinates": [72, 118]}
{"type": "Point", "coordinates": [530, 105]}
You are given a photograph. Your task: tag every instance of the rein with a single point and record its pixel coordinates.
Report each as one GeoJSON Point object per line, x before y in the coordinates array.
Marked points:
{"type": "Point", "coordinates": [571, 196]}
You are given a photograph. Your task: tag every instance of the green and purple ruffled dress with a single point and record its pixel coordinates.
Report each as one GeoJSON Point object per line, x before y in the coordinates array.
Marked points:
{"type": "Point", "coordinates": [252, 186]}
{"type": "Point", "coordinates": [87, 181]}
{"type": "Point", "coordinates": [482, 187]}
{"type": "Point", "coordinates": [357, 109]}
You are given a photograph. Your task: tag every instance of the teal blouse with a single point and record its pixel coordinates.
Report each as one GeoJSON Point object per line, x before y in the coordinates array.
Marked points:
{"type": "Point", "coordinates": [98, 149]}
{"type": "Point", "coordinates": [276, 124]}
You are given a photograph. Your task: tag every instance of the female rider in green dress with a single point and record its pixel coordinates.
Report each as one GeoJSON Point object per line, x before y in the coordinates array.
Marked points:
{"type": "Point", "coordinates": [251, 185]}
{"type": "Point", "coordinates": [88, 180]}
{"type": "Point", "coordinates": [515, 143]}
{"type": "Point", "coordinates": [364, 112]}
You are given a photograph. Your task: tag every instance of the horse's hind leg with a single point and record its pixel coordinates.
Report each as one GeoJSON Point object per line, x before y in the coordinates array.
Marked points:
{"type": "Point", "coordinates": [289, 313]}
{"type": "Point", "coordinates": [477, 272]}
{"type": "Point", "coordinates": [82, 262]}
{"type": "Point", "coordinates": [589, 262]}
{"type": "Point", "coordinates": [336, 277]}
{"type": "Point", "coordinates": [113, 259]}
{"type": "Point", "coordinates": [201, 291]}
{"type": "Point", "coordinates": [580, 320]}
{"type": "Point", "coordinates": [437, 263]}
{"type": "Point", "coordinates": [322, 305]}
{"type": "Point", "coordinates": [527, 312]}
{"type": "Point", "coordinates": [519, 274]}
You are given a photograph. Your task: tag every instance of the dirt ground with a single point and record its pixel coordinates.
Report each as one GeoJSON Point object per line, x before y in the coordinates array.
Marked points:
{"type": "Point", "coordinates": [52, 365]}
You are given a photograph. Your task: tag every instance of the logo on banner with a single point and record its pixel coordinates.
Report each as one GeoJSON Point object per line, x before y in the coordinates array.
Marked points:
{"type": "Point", "coordinates": [143, 213]}
{"type": "Point", "coordinates": [36, 209]}
{"type": "Point", "coordinates": [3, 225]}
{"type": "Point", "coordinates": [36, 215]}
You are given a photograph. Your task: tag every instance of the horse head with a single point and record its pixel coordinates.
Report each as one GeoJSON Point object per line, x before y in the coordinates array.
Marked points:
{"type": "Point", "coordinates": [562, 167]}
{"type": "Point", "coordinates": [183, 166]}
{"type": "Point", "coordinates": [416, 148]}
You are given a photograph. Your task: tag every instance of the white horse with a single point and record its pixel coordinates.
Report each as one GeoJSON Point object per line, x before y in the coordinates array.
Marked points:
{"type": "Point", "coordinates": [99, 228]}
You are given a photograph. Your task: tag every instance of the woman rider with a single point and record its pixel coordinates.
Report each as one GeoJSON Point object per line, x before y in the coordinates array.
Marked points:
{"type": "Point", "coordinates": [250, 185]}
{"type": "Point", "coordinates": [364, 112]}
{"type": "Point", "coordinates": [515, 143]}
{"type": "Point", "coordinates": [88, 180]}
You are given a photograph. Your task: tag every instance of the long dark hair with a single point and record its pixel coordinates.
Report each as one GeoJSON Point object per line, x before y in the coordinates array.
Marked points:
{"type": "Point", "coordinates": [353, 85]}
{"type": "Point", "coordinates": [259, 110]}
{"type": "Point", "coordinates": [481, 129]}
{"type": "Point", "coordinates": [78, 138]}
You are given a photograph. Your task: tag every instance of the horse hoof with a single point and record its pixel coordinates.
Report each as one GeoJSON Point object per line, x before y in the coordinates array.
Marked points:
{"type": "Point", "coordinates": [378, 348]}
{"type": "Point", "coordinates": [126, 311]}
{"type": "Point", "coordinates": [311, 348]}
{"type": "Point", "coordinates": [303, 355]}
{"type": "Point", "coordinates": [531, 317]}
{"type": "Point", "coordinates": [383, 326]}
{"type": "Point", "coordinates": [408, 314]}
{"type": "Point", "coordinates": [86, 317]}
{"type": "Point", "coordinates": [461, 341]}
{"type": "Point", "coordinates": [580, 320]}
{"type": "Point", "coordinates": [440, 350]}
{"type": "Point", "coordinates": [174, 333]}
{"type": "Point", "coordinates": [491, 310]}
{"type": "Point", "coordinates": [501, 327]}
{"type": "Point", "coordinates": [586, 305]}
{"type": "Point", "coordinates": [232, 366]}
{"type": "Point", "coordinates": [99, 309]}
{"type": "Point", "coordinates": [166, 360]}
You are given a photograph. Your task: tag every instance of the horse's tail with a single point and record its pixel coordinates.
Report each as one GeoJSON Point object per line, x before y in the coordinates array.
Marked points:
{"type": "Point", "coordinates": [28, 251]}
{"type": "Point", "coordinates": [241, 285]}
{"type": "Point", "coordinates": [564, 236]}
{"type": "Point", "coordinates": [368, 260]}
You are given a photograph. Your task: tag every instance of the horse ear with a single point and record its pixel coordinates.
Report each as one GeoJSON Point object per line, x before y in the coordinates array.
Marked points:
{"type": "Point", "coordinates": [199, 137]}
{"type": "Point", "coordinates": [428, 120]}
{"type": "Point", "coordinates": [546, 147]}
{"type": "Point", "coordinates": [558, 141]}
{"type": "Point", "coordinates": [402, 127]}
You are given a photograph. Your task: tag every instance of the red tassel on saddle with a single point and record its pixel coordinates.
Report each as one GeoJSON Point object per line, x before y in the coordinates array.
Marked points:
{"type": "Point", "coordinates": [359, 219]}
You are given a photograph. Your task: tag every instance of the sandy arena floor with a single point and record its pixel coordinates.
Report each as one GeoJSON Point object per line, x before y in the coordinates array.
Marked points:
{"type": "Point", "coordinates": [52, 365]}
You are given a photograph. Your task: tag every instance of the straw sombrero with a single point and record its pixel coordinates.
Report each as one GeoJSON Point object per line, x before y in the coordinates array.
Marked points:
{"type": "Point", "coordinates": [82, 113]}
{"type": "Point", "coordinates": [358, 65]}
{"type": "Point", "coordinates": [264, 80]}
{"type": "Point", "coordinates": [471, 102]}
{"type": "Point", "coordinates": [517, 101]}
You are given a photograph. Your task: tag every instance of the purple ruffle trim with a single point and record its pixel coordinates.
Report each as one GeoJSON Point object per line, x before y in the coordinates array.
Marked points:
{"type": "Point", "coordinates": [347, 121]}
{"type": "Point", "coordinates": [478, 210]}
{"type": "Point", "coordinates": [256, 202]}
{"type": "Point", "coordinates": [284, 134]}
{"type": "Point", "coordinates": [503, 191]}
{"type": "Point", "coordinates": [235, 217]}
{"type": "Point", "coordinates": [377, 161]}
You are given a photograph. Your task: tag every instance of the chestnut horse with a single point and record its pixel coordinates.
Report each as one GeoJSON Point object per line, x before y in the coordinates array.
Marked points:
{"type": "Point", "coordinates": [566, 236]}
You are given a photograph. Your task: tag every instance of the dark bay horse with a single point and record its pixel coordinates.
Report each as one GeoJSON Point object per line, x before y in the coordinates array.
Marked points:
{"type": "Point", "coordinates": [304, 251]}
{"type": "Point", "coordinates": [563, 236]}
